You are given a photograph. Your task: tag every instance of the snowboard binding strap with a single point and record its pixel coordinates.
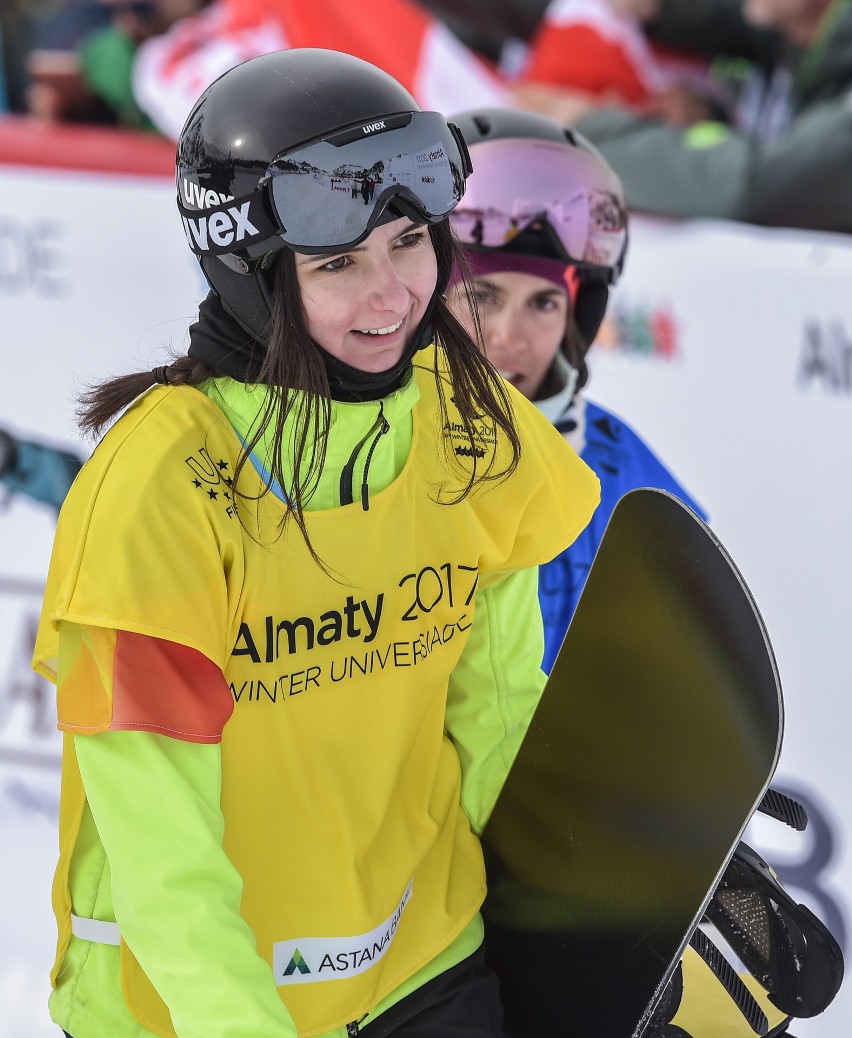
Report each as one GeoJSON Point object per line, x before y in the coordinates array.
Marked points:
{"type": "Point", "coordinates": [730, 981]}
{"type": "Point", "coordinates": [784, 809]}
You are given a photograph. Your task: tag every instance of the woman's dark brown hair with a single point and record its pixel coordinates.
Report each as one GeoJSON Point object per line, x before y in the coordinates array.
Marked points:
{"type": "Point", "coordinates": [293, 365]}
{"type": "Point", "coordinates": [575, 349]}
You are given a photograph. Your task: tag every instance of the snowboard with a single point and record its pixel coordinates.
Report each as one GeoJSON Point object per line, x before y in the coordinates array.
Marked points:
{"type": "Point", "coordinates": [655, 740]}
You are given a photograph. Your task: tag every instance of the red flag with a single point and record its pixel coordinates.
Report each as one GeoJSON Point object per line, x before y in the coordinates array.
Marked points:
{"type": "Point", "coordinates": [584, 45]}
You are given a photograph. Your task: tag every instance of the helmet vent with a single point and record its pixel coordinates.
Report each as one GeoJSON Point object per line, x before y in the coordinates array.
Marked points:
{"type": "Point", "coordinates": [482, 124]}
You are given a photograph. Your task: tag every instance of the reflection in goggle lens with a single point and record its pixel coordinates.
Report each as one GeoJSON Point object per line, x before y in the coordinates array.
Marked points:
{"type": "Point", "coordinates": [329, 196]}
{"type": "Point", "coordinates": [517, 183]}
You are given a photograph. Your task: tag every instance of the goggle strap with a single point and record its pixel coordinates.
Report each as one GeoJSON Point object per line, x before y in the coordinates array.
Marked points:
{"type": "Point", "coordinates": [467, 162]}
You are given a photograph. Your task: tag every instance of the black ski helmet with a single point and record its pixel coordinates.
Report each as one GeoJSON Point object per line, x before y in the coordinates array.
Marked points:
{"type": "Point", "coordinates": [541, 189]}
{"type": "Point", "coordinates": [306, 148]}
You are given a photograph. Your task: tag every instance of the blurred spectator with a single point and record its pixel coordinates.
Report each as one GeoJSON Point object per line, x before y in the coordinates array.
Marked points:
{"type": "Point", "coordinates": [786, 159]}
{"type": "Point", "coordinates": [36, 470]}
{"type": "Point", "coordinates": [600, 47]}
{"type": "Point", "coordinates": [147, 66]}
{"type": "Point", "coordinates": [92, 81]}
{"type": "Point", "coordinates": [27, 25]}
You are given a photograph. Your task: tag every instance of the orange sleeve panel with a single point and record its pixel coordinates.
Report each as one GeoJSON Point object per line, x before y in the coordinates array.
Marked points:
{"type": "Point", "coordinates": [121, 681]}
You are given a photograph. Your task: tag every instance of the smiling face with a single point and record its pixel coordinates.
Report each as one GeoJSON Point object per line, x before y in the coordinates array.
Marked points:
{"type": "Point", "coordinates": [363, 305]}
{"type": "Point", "coordinates": [523, 320]}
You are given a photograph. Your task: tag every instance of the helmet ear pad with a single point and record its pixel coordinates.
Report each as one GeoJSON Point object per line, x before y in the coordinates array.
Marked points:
{"type": "Point", "coordinates": [250, 292]}
{"type": "Point", "coordinates": [589, 307]}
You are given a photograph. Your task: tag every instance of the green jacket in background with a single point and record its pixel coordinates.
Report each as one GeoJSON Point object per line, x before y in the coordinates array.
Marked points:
{"type": "Point", "coordinates": [799, 178]}
{"type": "Point", "coordinates": [106, 58]}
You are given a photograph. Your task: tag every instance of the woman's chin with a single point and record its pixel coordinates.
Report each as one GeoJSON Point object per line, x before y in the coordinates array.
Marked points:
{"type": "Point", "coordinates": [375, 361]}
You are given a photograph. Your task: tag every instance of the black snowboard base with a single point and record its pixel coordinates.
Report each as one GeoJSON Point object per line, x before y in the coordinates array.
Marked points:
{"type": "Point", "coordinates": [656, 738]}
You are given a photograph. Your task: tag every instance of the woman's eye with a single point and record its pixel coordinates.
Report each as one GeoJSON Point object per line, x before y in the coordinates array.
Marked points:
{"type": "Point", "coordinates": [338, 263]}
{"type": "Point", "coordinates": [547, 304]}
{"type": "Point", "coordinates": [408, 241]}
{"type": "Point", "coordinates": [485, 299]}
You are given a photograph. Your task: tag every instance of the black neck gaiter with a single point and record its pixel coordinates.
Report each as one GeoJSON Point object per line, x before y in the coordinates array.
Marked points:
{"type": "Point", "coordinates": [351, 385]}
{"type": "Point", "coordinates": [220, 341]}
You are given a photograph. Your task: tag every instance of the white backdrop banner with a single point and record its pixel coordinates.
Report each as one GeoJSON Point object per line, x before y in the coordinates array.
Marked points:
{"type": "Point", "coordinates": [728, 348]}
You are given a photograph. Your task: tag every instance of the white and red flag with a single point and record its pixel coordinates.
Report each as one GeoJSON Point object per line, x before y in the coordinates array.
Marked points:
{"type": "Point", "coordinates": [172, 70]}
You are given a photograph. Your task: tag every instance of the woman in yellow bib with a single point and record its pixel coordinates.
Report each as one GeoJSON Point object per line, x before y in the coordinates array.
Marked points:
{"type": "Point", "coordinates": [291, 610]}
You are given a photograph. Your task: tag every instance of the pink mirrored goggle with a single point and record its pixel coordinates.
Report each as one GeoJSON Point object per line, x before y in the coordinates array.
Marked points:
{"type": "Point", "coordinates": [519, 182]}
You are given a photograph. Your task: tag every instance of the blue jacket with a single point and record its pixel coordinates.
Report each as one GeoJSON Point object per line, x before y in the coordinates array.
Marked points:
{"type": "Point", "coordinates": [622, 462]}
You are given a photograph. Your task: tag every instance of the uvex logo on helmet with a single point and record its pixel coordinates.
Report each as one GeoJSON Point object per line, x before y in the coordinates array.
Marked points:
{"type": "Point", "coordinates": [195, 195]}
{"type": "Point", "coordinates": [372, 127]}
{"type": "Point", "coordinates": [222, 226]}
{"type": "Point", "coordinates": [228, 227]}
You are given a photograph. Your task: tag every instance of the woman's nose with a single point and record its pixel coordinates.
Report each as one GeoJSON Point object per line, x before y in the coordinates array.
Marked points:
{"type": "Point", "coordinates": [501, 334]}
{"type": "Point", "coordinates": [387, 291]}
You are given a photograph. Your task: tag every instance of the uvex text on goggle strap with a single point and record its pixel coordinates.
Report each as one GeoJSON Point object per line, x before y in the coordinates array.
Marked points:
{"type": "Point", "coordinates": [522, 181]}
{"type": "Point", "coordinates": [329, 194]}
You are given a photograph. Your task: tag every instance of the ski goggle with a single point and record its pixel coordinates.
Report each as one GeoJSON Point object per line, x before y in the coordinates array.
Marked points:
{"type": "Point", "coordinates": [520, 182]}
{"type": "Point", "coordinates": [329, 194]}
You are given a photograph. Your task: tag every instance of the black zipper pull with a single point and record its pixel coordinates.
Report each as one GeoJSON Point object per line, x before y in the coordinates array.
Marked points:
{"type": "Point", "coordinates": [384, 426]}
{"type": "Point", "coordinates": [348, 473]}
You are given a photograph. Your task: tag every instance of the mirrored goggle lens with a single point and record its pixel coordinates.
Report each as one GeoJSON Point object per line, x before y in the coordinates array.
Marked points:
{"type": "Point", "coordinates": [519, 181]}
{"type": "Point", "coordinates": [331, 193]}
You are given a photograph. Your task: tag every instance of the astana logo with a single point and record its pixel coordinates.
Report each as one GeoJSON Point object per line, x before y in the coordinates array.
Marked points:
{"type": "Point", "coordinates": [296, 963]}
{"type": "Point", "coordinates": [334, 958]}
